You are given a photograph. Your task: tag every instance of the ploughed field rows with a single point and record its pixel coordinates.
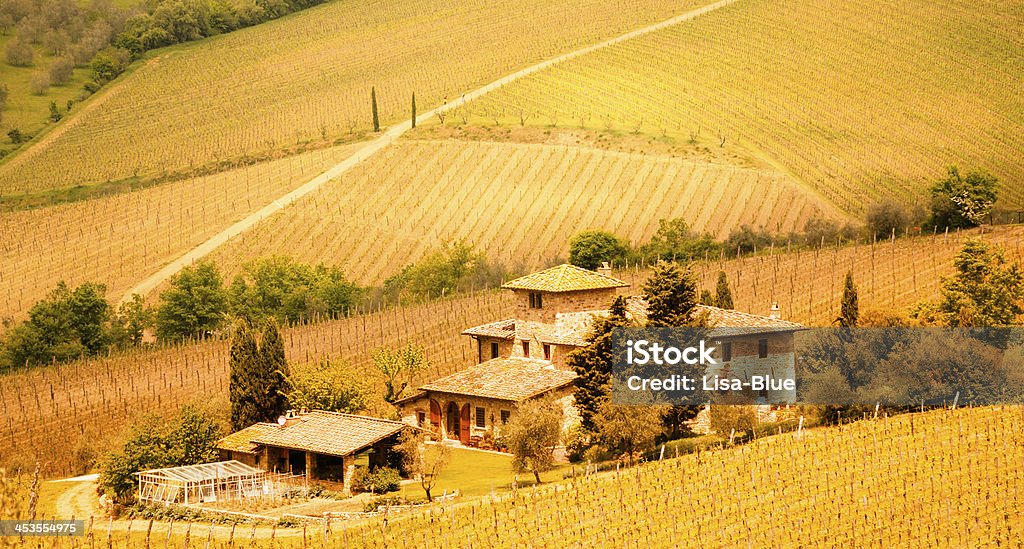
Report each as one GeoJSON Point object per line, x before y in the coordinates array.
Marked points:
{"type": "Point", "coordinates": [862, 100]}
{"type": "Point", "coordinates": [119, 240]}
{"type": "Point", "coordinates": [940, 479]}
{"type": "Point", "coordinates": [808, 284]}
{"type": "Point", "coordinates": [307, 78]}
{"type": "Point", "coordinates": [518, 203]}
{"type": "Point", "coordinates": [61, 414]}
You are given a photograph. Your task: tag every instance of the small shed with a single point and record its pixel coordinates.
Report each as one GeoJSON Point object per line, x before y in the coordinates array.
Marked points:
{"type": "Point", "coordinates": [206, 482]}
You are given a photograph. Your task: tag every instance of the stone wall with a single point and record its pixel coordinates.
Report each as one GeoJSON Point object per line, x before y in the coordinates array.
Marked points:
{"type": "Point", "coordinates": [779, 364]}
{"type": "Point", "coordinates": [562, 302]}
{"type": "Point", "coordinates": [505, 348]}
{"type": "Point", "coordinates": [410, 411]}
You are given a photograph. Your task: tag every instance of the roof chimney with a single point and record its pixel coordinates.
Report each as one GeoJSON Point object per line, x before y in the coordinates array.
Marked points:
{"type": "Point", "coordinates": [775, 312]}
{"type": "Point", "coordinates": [289, 418]}
{"type": "Point", "coordinates": [605, 269]}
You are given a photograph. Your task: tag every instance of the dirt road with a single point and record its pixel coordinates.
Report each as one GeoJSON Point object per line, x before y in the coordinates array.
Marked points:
{"type": "Point", "coordinates": [385, 139]}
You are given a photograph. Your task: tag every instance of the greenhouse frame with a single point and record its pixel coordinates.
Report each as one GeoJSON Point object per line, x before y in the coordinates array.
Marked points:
{"type": "Point", "coordinates": [203, 483]}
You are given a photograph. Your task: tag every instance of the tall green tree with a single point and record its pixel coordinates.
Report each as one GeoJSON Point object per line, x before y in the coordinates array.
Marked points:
{"type": "Point", "coordinates": [723, 295]}
{"type": "Point", "coordinates": [399, 367]}
{"type": "Point", "coordinates": [130, 322]}
{"type": "Point", "coordinates": [532, 435]}
{"type": "Point", "coordinates": [290, 292]}
{"type": "Point", "coordinates": [324, 385]}
{"type": "Point", "coordinates": [629, 430]}
{"type": "Point", "coordinates": [67, 324]}
{"type": "Point", "coordinates": [189, 438]}
{"type": "Point", "coordinates": [985, 290]}
{"type": "Point", "coordinates": [591, 248]}
{"type": "Point", "coordinates": [245, 382]}
{"type": "Point", "coordinates": [593, 364]}
{"type": "Point", "coordinates": [706, 298]}
{"type": "Point", "coordinates": [373, 109]}
{"type": "Point", "coordinates": [274, 368]}
{"type": "Point", "coordinates": [421, 462]}
{"type": "Point", "coordinates": [671, 294]}
{"type": "Point", "coordinates": [849, 312]}
{"type": "Point", "coordinates": [959, 202]}
{"type": "Point", "coordinates": [674, 241]}
{"type": "Point", "coordinates": [195, 305]}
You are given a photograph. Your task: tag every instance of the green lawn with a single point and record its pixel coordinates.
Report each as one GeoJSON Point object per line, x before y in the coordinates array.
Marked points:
{"type": "Point", "coordinates": [477, 473]}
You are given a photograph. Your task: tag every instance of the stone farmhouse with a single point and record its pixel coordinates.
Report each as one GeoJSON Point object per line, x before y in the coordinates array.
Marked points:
{"type": "Point", "coordinates": [523, 357]}
{"type": "Point", "coordinates": [518, 359]}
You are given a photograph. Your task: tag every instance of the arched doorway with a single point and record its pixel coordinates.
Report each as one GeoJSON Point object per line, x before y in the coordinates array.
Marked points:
{"type": "Point", "coordinates": [457, 422]}
{"type": "Point", "coordinates": [453, 424]}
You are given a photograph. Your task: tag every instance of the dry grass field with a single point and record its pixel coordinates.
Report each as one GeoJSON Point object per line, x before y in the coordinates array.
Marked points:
{"type": "Point", "coordinates": [519, 203]}
{"type": "Point", "coordinates": [860, 100]}
{"type": "Point", "coordinates": [119, 240]}
{"type": "Point", "coordinates": [306, 79]}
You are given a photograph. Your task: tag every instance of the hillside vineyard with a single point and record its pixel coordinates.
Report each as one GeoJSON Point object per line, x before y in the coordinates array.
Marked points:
{"type": "Point", "coordinates": [858, 100]}
{"type": "Point", "coordinates": [305, 80]}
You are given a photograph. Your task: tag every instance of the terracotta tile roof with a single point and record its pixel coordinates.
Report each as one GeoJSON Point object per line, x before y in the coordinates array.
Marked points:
{"type": "Point", "coordinates": [504, 329]}
{"type": "Point", "coordinates": [330, 433]}
{"type": "Point", "coordinates": [564, 278]}
{"type": "Point", "coordinates": [241, 441]}
{"type": "Point", "coordinates": [505, 378]}
{"type": "Point", "coordinates": [730, 320]}
{"type": "Point", "coordinates": [568, 329]}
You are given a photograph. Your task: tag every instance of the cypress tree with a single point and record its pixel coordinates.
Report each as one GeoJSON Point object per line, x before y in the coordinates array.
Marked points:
{"type": "Point", "coordinates": [243, 383]}
{"type": "Point", "coordinates": [671, 295]}
{"type": "Point", "coordinates": [723, 295]}
{"type": "Point", "coordinates": [274, 368]}
{"type": "Point", "coordinates": [373, 107]}
{"type": "Point", "coordinates": [593, 365]}
{"type": "Point", "coordinates": [414, 110]}
{"type": "Point", "coordinates": [849, 312]}
{"type": "Point", "coordinates": [706, 298]}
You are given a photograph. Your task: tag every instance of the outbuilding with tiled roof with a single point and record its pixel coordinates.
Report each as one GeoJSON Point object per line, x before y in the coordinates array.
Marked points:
{"type": "Point", "coordinates": [319, 444]}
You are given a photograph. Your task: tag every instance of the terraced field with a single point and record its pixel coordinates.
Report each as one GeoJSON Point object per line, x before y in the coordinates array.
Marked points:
{"type": "Point", "coordinates": [518, 203]}
{"type": "Point", "coordinates": [860, 100]}
{"type": "Point", "coordinates": [305, 79]}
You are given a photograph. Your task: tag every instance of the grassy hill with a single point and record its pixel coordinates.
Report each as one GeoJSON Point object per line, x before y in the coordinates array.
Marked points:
{"type": "Point", "coordinates": [859, 100]}
{"type": "Point", "coordinates": [305, 79]}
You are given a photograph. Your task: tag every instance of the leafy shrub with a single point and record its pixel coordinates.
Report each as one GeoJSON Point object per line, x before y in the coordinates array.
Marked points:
{"type": "Point", "coordinates": [387, 501]}
{"type": "Point", "coordinates": [576, 444]}
{"type": "Point", "coordinates": [39, 83]}
{"type": "Point", "coordinates": [380, 480]}
{"type": "Point", "coordinates": [61, 71]}
{"type": "Point", "coordinates": [886, 218]}
{"type": "Point", "coordinates": [960, 202]}
{"type": "Point", "coordinates": [591, 248]}
{"type": "Point", "coordinates": [19, 53]}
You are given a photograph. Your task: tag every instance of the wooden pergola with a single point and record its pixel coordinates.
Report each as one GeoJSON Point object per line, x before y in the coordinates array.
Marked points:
{"type": "Point", "coordinates": [206, 482]}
